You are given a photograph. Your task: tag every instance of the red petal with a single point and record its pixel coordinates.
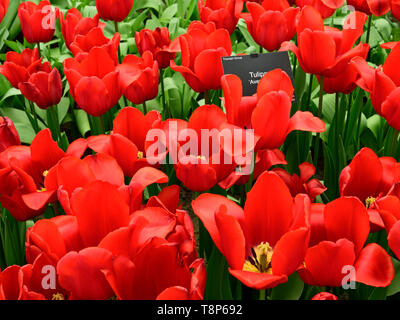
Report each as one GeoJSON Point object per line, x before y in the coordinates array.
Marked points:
{"type": "Point", "coordinates": [268, 210]}
{"type": "Point", "coordinates": [374, 267]}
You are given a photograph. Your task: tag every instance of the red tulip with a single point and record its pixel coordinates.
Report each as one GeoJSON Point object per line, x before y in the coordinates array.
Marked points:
{"type": "Point", "coordinates": [140, 277]}
{"type": "Point", "coordinates": [346, 226]}
{"type": "Point", "coordinates": [115, 10]}
{"type": "Point", "coordinates": [368, 177]}
{"type": "Point", "coordinates": [3, 8]}
{"type": "Point", "coordinates": [266, 242]}
{"type": "Point", "coordinates": [271, 118]}
{"type": "Point", "coordinates": [74, 24]}
{"type": "Point", "coordinates": [22, 174]}
{"type": "Point", "coordinates": [325, 7]}
{"type": "Point", "coordinates": [202, 48]}
{"type": "Point", "coordinates": [395, 8]}
{"type": "Point", "coordinates": [127, 142]}
{"type": "Point", "coordinates": [346, 81]}
{"type": "Point", "coordinates": [225, 13]}
{"type": "Point", "coordinates": [139, 78]}
{"type": "Point", "coordinates": [326, 51]}
{"type": "Point", "coordinates": [20, 66]}
{"type": "Point", "coordinates": [375, 7]}
{"type": "Point", "coordinates": [94, 81]}
{"type": "Point", "coordinates": [43, 88]}
{"type": "Point", "coordinates": [324, 296]}
{"type": "Point", "coordinates": [271, 23]}
{"type": "Point", "coordinates": [38, 22]}
{"type": "Point", "coordinates": [8, 134]}
{"type": "Point", "coordinates": [383, 85]}
{"type": "Point", "coordinates": [302, 184]}
{"type": "Point", "coordinates": [94, 167]}
{"type": "Point", "coordinates": [15, 284]}
{"type": "Point", "coordinates": [95, 38]}
{"type": "Point", "coordinates": [213, 162]}
{"type": "Point", "coordinates": [159, 44]}
{"type": "Point", "coordinates": [273, 101]}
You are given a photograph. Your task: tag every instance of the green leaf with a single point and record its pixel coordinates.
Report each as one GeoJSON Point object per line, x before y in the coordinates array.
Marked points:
{"type": "Point", "coordinates": [21, 122]}
{"type": "Point", "coordinates": [394, 287]}
{"type": "Point", "coordinates": [82, 121]}
{"type": "Point", "coordinates": [218, 285]}
{"type": "Point", "coordinates": [291, 290]}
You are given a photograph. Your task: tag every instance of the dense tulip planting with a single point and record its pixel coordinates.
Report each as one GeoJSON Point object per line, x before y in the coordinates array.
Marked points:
{"type": "Point", "coordinates": [133, 167]}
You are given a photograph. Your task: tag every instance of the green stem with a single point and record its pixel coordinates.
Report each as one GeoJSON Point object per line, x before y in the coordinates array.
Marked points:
{"type": "Point", "coordinates": [394, 142]}
{"type": "Point", "coordinates": [38, 46]}
{"type": "Point", "coordinates": [35, 123]}
{"type": "Point", "coordinates": [262, 295]}
{"type": "Point", "coordinates": [369, 28]}
{"type": "Point", "coordinates": [164, 105]}
{"type": "Point", "coordinates": [102, 124]}
{"type": "Point", "coordinates": [52, 121]}
{"type": "Point", "coordinates": [119, 48]}
{"type": "Point", "coordinates": [320, 103]}
{"type": "Point", "coordinates": [346, 128]}
{"type": "Point", "coordinates": [144, 107]}
{"type": "Point", "coordinates": [261, 49]}
{"type": "Point", "coordinates": [207, 97]}
{"type": "Point", "coordinates": [309, 90]}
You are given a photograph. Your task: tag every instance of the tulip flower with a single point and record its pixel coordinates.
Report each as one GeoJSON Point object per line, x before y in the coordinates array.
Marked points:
{"type": "Point", "coordinates": [324, 296]}
{"type": "Point", "coordinates": [20, 66]}
{"type": "Point", "coordinates": [383, 85]}
{"type": "Point", "coordinates": [371, 7]}
{"type": "Point", "coordinates": [37, 21]}
{"type": "Point", "coordinates": [209, 157]}
{"type": "Point", "coordinates": [43, 88]}
{"type": "Point", "coordinates": [271, 23]}
{"type": "Point", "coordinates": [225, 14]}
{"type": "Point", "coordinates": [346, 228]}
{"type": "Point", "coordinates": [139, 78]}
{"type": "Point", "coordinates": [368, 177]}
{"type": "Point", "coordinates": [325, 7]}
{"type": "Point", "coordinates": [59, 235]}
{"type": "Point", "coordinates": [139, 276]}
{"type": "Point", "coordinates": [127, 142]}
{"type": "Point", "coordinates": [94, 81]}
{"type": "Point", "coordinates": [268, 113]}
{"type": "Point", "coordinates": [395, 8]}
{"type": "Point", "coordinates": [202, 47]}
{"type": "Point", "coordinates": [74, 24]}
{"type": "Point", "coordinates": [22, 173]}
{"type": "Point", "coordinates": [115, 10]}
{"type": "Point", "coordinates": [3, 8]}
{"type": "Point", "coordinates": [325, 51]}
{"type": "Point", "coordinates": [8, 134]}
{"type": "Point", "coordinates": [95, 38]}
{"type": "Point", "coordinates": [264, 243]}
{"type": "Point", "coordinates": [302, 184]}
{"type": "Point", "coordinates": [159, 44]}
{"type": "Point", "coordinates": [15, 284]}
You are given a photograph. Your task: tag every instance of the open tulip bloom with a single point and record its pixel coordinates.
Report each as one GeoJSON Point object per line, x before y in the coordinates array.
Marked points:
{"type": "Point", "coordinates": [134, 166]}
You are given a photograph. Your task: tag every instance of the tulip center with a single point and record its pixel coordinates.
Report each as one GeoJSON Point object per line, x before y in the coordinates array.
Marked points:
{"type": "Point", "coordinates": [140, 155]}
{"type": "Point", "coordinates": [42, 190]}
{"type": "Point", "coordinates": [58, 296]}
{"type": "Point", "coordinates": [369, 201]}
{"type": "Point", "coordinates": [259, 259]}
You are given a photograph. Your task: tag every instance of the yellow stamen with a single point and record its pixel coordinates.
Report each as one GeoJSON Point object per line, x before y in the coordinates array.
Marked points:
{"type": "Point", "coordinates": [58, 296]}
{"type": "Point", "coordinates": [260, 259]}
{"type": "Point", "coordinates": [42, 190]}
{"type": "Point", "coordinates": [45, 173]}
{"type": "Point", "coordinates": [369, 201]}
{"type": "Point", "coordinates": [140, 155]}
